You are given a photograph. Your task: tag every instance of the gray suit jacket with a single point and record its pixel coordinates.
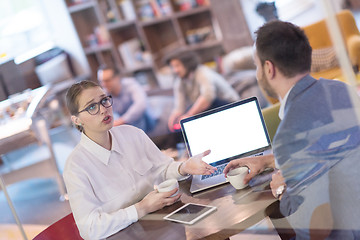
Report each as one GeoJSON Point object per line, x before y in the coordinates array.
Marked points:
{"type": "Point", "coordinates": [318, 141]}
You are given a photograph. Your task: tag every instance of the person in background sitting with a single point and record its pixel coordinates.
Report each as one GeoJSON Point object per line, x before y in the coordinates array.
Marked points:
{"type": "Point", "coordinates": [197, 88]}
{"type": "Point", "coordinates": [110, 174]}
{"type": "Point", "coordinates": [130, 100]}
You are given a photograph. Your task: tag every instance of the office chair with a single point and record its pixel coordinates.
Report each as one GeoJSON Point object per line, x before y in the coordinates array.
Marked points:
{"type": "Point", "coordinates": [64, 229]}
{"type": "Point", "coordinates": [271, 118]}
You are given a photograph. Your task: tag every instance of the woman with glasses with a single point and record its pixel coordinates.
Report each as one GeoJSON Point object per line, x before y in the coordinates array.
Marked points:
{"type": "Point", "coordinates": [110, 174]}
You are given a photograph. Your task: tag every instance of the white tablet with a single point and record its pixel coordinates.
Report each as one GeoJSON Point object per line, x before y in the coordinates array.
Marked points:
{"type": "Point", "coordinates": [190, 213]}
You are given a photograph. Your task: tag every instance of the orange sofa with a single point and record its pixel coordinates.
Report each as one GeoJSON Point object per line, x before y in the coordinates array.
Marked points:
{"type": "Point", "coordinates": [321, 43]}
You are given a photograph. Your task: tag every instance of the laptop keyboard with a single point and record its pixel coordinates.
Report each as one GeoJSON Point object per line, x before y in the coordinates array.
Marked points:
{"type": "Point", "coordinates": [218, 171]}
{"type": "Point", "coordinates": [221, 168]}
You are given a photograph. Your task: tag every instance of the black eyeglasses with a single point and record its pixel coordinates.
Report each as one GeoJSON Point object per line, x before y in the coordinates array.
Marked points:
{"type": "Point", "coordinates": [94, 108]}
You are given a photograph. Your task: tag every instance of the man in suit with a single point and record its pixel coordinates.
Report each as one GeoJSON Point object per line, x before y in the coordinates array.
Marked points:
{"type": "Point", "coordinates": [316, 146]}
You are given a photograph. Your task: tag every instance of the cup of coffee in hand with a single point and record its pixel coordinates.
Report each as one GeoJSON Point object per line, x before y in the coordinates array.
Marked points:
{"type": "Point", "coordinates": [236, 177]}
{"type": "Point", "coordinates": [168, 185]}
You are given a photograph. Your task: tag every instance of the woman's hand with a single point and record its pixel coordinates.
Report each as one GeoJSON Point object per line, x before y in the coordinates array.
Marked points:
{"type": "Point", "coordinates": [277, 181]}
{"type": "Point", "coordinates": [196, 166]}
{"type": "Point", "coordinates": [155, 201]}
{"type": "Point", "coordinates": [173, 119]}
{"type": "Point", "coordinates": [184, 116]}
{"type": "Point", "coordinates": [255, 164]}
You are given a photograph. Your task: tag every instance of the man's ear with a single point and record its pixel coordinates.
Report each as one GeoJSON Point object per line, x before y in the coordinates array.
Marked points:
{"type": "Point", "coordinates": [269, 69]}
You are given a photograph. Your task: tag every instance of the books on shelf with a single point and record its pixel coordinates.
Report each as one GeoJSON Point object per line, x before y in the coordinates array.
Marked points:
{"type": "Point", "coordinates": [198, 35]}
{"type": "Point", "coordinates": [184, 5]}
{"type": "Point", "coordinates": [127, 10]}
{"type": "Point", "coordinates": [150, 9]}
{"type": "Point", "coordinates": [132, 54]}
{"type": "Point", "coordinates": [128, 51]}
{"type": "Point", "coordinates": [102, 35]}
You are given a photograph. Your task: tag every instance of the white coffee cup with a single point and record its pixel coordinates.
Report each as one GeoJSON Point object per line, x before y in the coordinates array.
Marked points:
{"type": "Point", "coordinates": [168, 186]}
{"type": "Point", "coordinates": [236, 177]}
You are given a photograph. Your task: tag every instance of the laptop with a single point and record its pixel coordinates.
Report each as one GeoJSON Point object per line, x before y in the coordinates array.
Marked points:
{"type": "Point", "coordinates": [231, 131]}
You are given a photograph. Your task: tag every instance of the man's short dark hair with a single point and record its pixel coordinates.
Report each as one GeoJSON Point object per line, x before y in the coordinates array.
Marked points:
{"type": "Point", "coordinates": [104, 67]}
{"type": "Point", "coordinates": [190, 60]}
{"type": "Point", "coordinates": [285, 45]}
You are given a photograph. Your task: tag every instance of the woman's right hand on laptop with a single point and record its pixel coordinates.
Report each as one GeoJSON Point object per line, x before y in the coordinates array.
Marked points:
{"type": "Point", "coordinates": [256, 165]}
{"type": "Point", "coordinates": [196, 166]}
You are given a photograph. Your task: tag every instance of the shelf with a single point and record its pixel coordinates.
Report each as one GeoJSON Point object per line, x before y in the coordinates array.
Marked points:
{"type": "Point", "coordinates": [155, 21]}
{"type": "Point", "coordinates": [119, 24]}
{"type": "Point", "coordinates": [203, 45]}
{"type": "Point", "coordinates": [167, 49]}
{"type": "Point", "coordinates": [143, 67]}
{"type": "Point", "coordinates": [81, 6]}
{"type": "Point", "coordinates": [98, 48]}
{"type": "Point", "coordinates": [159, 34]}
{"type": "Point", "coordinates": [193, 11]}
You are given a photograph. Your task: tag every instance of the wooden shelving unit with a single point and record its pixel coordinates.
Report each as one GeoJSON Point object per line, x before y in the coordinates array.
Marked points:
{"type": "Point", "coordinates": [119, 24]}
{"type": "Point", "coordinates": [79, 7]}
{"type": "Point", "coordinates": [98, 48]}
{"type": "Point", "coordinates": [135, 35]}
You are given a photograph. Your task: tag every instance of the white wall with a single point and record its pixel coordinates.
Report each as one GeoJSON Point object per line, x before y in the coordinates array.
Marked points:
{"type": "Point", "coordinates": [253, 19]}
{"type": "Point", "coordinates": [313, 12]}
{"type": "Point", "coordinates": [65, 35]}
{"type": "Point", "coordinates": [303, 12]}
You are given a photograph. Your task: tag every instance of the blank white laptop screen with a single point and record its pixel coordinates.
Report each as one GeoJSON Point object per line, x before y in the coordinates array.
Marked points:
{"type": "Point", "coordinates": [229, 131]}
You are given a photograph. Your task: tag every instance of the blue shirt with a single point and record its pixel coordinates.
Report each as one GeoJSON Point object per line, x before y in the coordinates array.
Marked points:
{"type": "Point", "coordinates": [131, 104]}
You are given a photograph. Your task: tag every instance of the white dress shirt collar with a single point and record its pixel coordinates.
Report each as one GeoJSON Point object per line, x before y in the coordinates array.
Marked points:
{"type": "Point", "coordinates": [100, 152]}
{"type": "Point", "coordinates": [282, 104]}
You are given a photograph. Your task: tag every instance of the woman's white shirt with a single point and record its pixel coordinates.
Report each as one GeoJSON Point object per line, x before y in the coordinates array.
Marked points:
{"type": "Point", "coordinates": [104, 185]}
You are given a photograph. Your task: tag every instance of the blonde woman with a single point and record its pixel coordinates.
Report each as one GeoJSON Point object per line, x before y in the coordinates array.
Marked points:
{"type": "Point", "coordinates": [110, 174]}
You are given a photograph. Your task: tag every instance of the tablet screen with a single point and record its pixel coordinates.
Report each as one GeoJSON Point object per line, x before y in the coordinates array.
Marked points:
{"type": "Point", "coordinates": [190, 213]}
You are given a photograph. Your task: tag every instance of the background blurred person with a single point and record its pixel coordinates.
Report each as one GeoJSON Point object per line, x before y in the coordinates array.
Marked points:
{"type": "Point", "coordinates": [129, 97]}
{"type": "Point", "coordinates": [197, 87]}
